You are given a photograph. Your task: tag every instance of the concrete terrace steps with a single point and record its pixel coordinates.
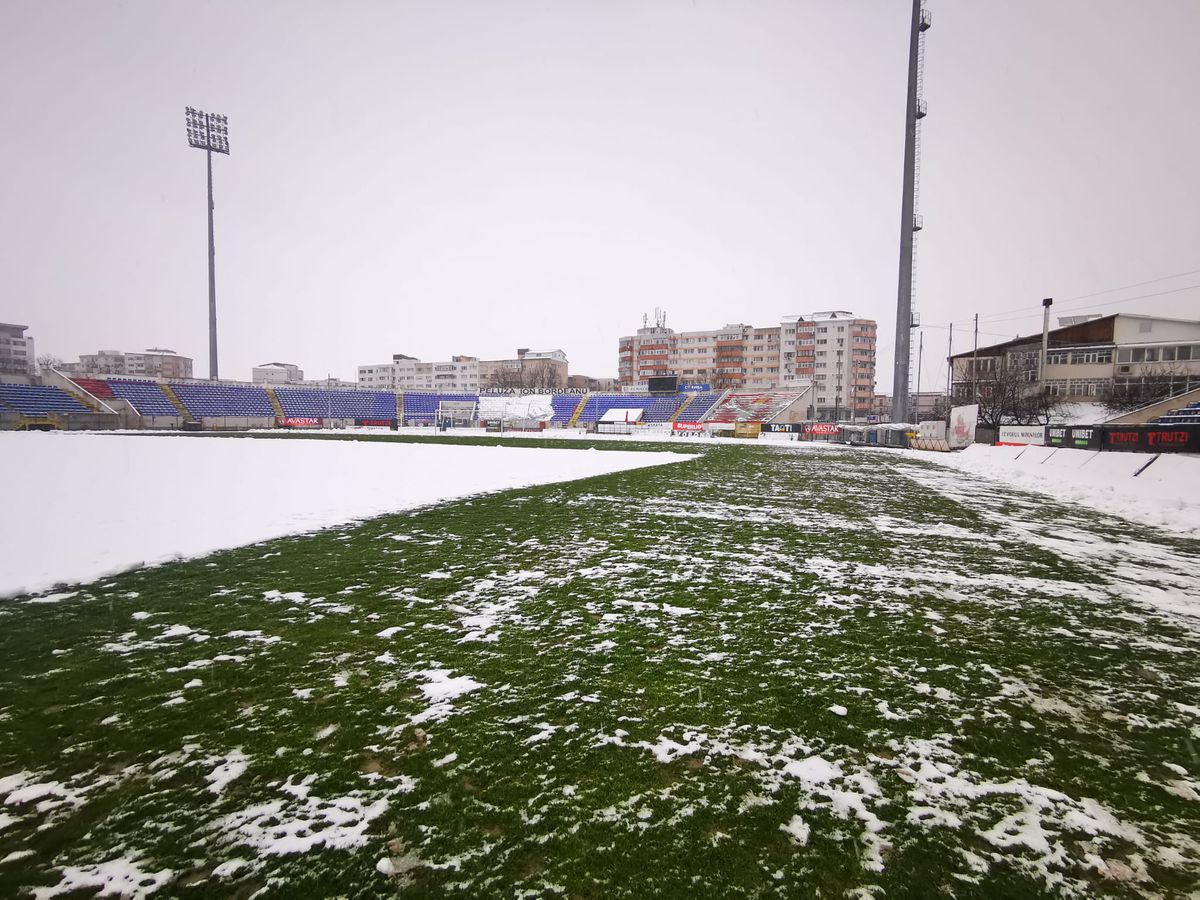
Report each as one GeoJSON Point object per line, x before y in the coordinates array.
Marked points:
{"type": "Point", "coordinates": [687, 401]}
{"type": "Point", "coordinates": [274, 400]}
{"type": "Point", "coordinates": [176, 402]}
{"type": "Point", "coordinates": [583, 399]}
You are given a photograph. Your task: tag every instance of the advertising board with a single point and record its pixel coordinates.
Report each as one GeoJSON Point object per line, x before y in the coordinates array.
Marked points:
{"type": "Point", "coordinates": [1080, 437]}
{"type": "Point", "coordinates": [1151, 438]}
{"type": "Point", "coordinates": [297, 422]}
{"type": "Point", "coordinates": [963, 422]}
{"type": "Point", "coordinates": [821, 428]}
{"type": "Point", "coordinates": [1020, 435]}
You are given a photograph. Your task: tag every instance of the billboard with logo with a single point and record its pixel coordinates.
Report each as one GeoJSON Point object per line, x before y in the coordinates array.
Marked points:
{"type": "Point", "coordinates": [1020, 435]}
{"type": "Point", "coordinates": [1085, 437]}
{"type": "Point", "coordinates": [822, 428]}
{"type": "Point", "coordinates": [1151, 438]}
{"type": "Point", "coordinates": [963, 422]}
{"type": "Point", "coordinates": [297, 422]}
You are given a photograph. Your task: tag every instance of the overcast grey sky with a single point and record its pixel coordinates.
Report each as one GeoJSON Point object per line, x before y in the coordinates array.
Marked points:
{"type": "Point", "coordinates": [447, 177]}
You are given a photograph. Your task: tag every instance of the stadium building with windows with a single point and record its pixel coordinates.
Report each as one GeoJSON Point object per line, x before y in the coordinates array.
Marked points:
{"type": "Point", "coordinates": [1085, 360]}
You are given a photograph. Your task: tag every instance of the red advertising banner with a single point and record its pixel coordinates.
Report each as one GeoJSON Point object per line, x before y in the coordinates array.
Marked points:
{"type": "Point", "coordinates": [687, 426]}
{"type": "Point", "coordinates": [821, 428]}
{"type": "Point", "coordinates": [296, 422]}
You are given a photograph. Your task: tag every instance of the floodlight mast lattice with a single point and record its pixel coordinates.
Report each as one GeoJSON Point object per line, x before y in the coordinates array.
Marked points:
{"type": "Point", "coordinates": [209, 132]}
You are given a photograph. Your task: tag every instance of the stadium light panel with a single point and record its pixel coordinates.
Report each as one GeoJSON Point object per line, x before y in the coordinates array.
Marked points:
{"type": "Point", "coordinates": [207, 131]}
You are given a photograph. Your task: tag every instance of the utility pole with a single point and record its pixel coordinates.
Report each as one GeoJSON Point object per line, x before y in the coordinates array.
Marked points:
{"type": "Point", "coordinates": [1046, 304]}
{"type": "Point", "coordinates": [910, 222]}
{"type": "Point", "coordinates": [209, 132]}
{"type": "Point", "coordinates": [920, 355]}
{"type": "Point", "coordinates": [975, 362]}
{"type": "Point", "coordinates": [950, 366]}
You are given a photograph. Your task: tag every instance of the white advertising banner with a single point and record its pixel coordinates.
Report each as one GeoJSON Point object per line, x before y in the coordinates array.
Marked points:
{"type": "Point", "coordinates": [963, 421]}
{"type": "Point", "coordinates": [933, 430]}
{"type": "Point", "coordinates": [1016, 435]}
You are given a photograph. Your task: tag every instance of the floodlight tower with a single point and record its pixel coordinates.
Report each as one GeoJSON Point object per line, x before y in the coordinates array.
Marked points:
{"type": "Point", "coordinates": [910, 220]}
{"type": "Point", "coordinates": [209, 132]}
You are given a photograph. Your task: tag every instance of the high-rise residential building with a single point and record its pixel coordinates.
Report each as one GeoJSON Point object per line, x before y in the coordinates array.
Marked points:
{"type": "Point", "coordinates": [156, 362]}
{"type": "Point", "coordinates": [16, 350]}
{"type": "Point", "coordinates": [834, 351]}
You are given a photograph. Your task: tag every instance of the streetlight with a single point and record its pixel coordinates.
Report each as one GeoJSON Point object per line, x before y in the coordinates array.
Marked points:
{"type": "Point", "coordinates": [209, 132]}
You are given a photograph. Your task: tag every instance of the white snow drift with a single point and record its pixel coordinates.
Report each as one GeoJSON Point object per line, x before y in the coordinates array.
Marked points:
{"type": "Point", "coordinates": [81, 506]}
{"type": "Point", "coordinates": [1165, 494]}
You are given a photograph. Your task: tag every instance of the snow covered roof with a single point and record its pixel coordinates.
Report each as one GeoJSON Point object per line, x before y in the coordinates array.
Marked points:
{"type": "Point", "coordinates": [622, 415]}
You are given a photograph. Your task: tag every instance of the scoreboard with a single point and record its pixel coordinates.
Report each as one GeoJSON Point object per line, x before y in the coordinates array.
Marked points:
{"type": "Point", "coordinates": [663, 384]}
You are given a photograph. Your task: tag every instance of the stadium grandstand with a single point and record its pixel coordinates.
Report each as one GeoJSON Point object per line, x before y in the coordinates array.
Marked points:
{"type": "Point", "coordinates": [336, 404]}
{"type": "Point", "coordinates": [38, 400]}
{"type": "Point", "coordinates": [1185, 415]}
{"type": "Point", "coordinates": [146, 397]}
{"type": "Point", "coordinates": [564, 406]}
{"type": "Point", "coordinates": [760, 406]}
{"type": "Point", "coordinates": [146, 402]}
{"type": "Point", "coordinates": [598, 405]}
{"type": "Point", "coordinates": [217, 399]}
{"type": "Point", "coordinates": [422, 409]}
{"type": "Point", "coordinates": [698, 406]}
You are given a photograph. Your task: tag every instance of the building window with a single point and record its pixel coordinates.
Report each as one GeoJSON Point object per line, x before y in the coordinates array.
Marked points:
{"type": "Point", "coordinates": [1091, 357]}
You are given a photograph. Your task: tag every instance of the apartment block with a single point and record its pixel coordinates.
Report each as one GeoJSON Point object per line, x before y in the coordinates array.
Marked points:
{"type": "Point", "coordinates": [155, 362]}
{"type": "Point", "coordinates": [407, 373]}
{"type": "Point", "coordinates": [467, 374]}
{"type": "Point", "coordinates": [16, 351]}
{"type": "Point", "coordinates": [834, 351]}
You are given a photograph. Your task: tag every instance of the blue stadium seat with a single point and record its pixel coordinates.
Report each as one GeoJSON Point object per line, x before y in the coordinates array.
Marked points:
{"type": "Point", "coordinates": [699, 407]}
{"type": "Point", "coordinates": [334, 404]}
{"type": "Point", "coordinates": [144, 396]}
{"type": "Point", "coordinates": [38, 399]}
{"type": "Point", "coordinates": [218, 400]}
{"type": "Point", "coordinates": [564, 407]}
{"type": "Point", "coordinates": [598, 404]}
{"type": "Point", "coordinates": [1186, 415]}
{"type": "Point", "coordinates": [419, 407]}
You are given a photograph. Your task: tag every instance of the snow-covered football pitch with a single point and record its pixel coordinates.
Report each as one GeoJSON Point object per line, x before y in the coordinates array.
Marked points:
{"type": "Point", "coordinates": [755, 671]}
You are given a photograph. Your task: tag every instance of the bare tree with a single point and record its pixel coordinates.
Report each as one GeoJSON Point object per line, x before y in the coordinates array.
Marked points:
{"type": "Point", "coordinates": [539, 375]}
{"type": "Point", "coordinates": [505, 378]}
{"type": "Point", "coordinates": [1009, 394]}
{"type": "Point", "coordinates": [49, 361]}
{"type": "Point", "coordinates": [1153, 385]}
